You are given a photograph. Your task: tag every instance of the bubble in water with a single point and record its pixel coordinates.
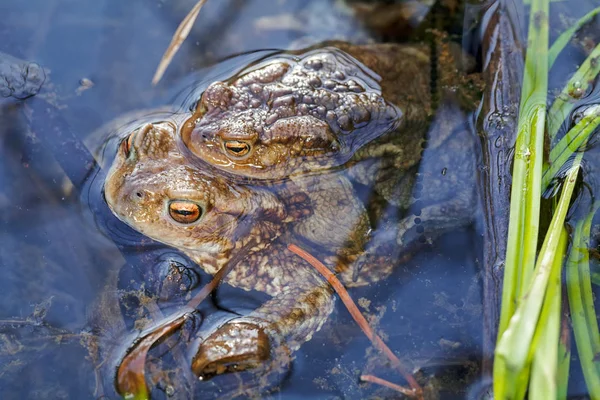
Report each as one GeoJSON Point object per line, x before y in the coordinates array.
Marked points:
{"type": "Point", "coordinates": [576, 90]}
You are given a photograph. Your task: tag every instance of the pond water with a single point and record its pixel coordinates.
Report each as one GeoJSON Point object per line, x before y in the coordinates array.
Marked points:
{"type": "Point", "coordinates": [78, 284]}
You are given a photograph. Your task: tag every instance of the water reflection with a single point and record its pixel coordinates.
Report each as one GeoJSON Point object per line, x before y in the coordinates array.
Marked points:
{"type": "Point", "coordinates": [55, 233]}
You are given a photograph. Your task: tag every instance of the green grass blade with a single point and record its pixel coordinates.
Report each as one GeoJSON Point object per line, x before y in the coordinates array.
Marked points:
{"type": "Point", "coordinates": [564, 360]}
{"type": "Point", "coordinates": [534, 194]}
{"type": "Point", "coordinates": [572, 142]}
{"type": "Point", "coordinates": [544, 370]}
{"type": "Point", "coordinates": [576, 87]}
{"type": "Point", "coordinates": [579, 316]}
{"type": "Point", "coordinates": [516, 346]}
{"type": "Point", "coordinates": [515, 239]}
{"type": "Point", "coordinates": [532, 119]}
{"type": "Point", "coordinates": [585, 280]}
{"type": "Point", "coordinates": [596, 278]}
{"type": "Point", "coordinates": [564, 38]}
{"type": "Point", "coordinates": [527, 170]}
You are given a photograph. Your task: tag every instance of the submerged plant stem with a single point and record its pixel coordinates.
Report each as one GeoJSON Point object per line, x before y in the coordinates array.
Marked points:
{"type": "Point", "coordinates": [544, 369]}
{"type": "Point", "coordinates": [564, 353]}
{"type": "Point", "coordinates": [564, 38]}
{"type": "Point", "coordinates": [387, 384]}
{"type": "Point", "coordinates": [527, 171]}
{"type": "Point", "coordinates": [516, 347]}
{"type": "Point", "coordinates": [583, 314]}
{"type": "Point", "coordinates": [575, 88]}
{"type": "Point", "coordinates": [416, 391]}
{"type": "Point", "coordinates": [571, 143]}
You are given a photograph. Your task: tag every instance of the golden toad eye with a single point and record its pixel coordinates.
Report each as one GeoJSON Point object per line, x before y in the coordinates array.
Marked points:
{"type": "Point", "coordinates": [184, 211]}
{"type": "Point", "coordinates": [237, 148]}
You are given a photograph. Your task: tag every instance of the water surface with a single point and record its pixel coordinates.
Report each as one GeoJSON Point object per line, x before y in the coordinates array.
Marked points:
{"type": "Point", "coordinates": [72, 273]}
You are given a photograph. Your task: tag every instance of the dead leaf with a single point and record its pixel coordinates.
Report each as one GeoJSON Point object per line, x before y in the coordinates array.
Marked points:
{"type": "Point", "coordinates": [131, 381]}
{"type": "Point", "coordinates": [182, 32]}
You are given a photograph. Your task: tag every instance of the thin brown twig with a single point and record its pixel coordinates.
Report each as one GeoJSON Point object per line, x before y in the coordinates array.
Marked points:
{"type": "Point", "coordinates": [416, 391]}
{"type": "Point", "coordinates": [209, 287]}
{"type": "Point", "coordinates": [182, 32]}
{"type": "Point", "coordinates": [387, 384]}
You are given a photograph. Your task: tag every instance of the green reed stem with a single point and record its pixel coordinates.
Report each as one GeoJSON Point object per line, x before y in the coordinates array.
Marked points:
{"type": "Point", "coordinates": [564, 360]}
{"type": "Point", "coordinates": [516, 346]}
{"type": "Point", "coordinates": [544, 370]}
{"type": "Point", "coordinates": [575, 88]}
{"type": "Point", "coordinates": [527, 170]}
{"type": "Point", "coordinates": [583, 314]}
{"type": "Point", "coordinates": [572, 142]}
{"type": "Point", "coordinates": [586, 282]}
{"type": "Point", "coordinates": [564, 38]}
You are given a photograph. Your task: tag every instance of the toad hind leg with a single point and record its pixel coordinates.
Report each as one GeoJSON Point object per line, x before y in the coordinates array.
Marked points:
{"type": "Point", "coordinates": [436, 219]}
{"type": "Point", "coordinates": [266, 337]}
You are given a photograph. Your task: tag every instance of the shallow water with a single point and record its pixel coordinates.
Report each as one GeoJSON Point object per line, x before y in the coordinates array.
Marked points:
{"type": "Point", "coordinates": [72, 274]}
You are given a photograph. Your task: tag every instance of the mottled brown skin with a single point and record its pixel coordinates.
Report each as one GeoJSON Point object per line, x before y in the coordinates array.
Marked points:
{"type": "Point", "coordinates": [368, 108]}
{"type": "Point", "coordinates": [149, 174]}
{"type": "Point", "coordinates": [299, 113]}
{"type": "Point", "coordinates": [293, 203]}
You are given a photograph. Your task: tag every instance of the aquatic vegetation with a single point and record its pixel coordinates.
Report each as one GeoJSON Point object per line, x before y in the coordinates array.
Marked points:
{"type": "Point", "coordinates": [532, 353]}
{"type": "Point", "coordinates": [111, 287]}
{"type": "Point", "coordinates": [531, 349]}
{"type": "Point", "coordinates": [581, 301]}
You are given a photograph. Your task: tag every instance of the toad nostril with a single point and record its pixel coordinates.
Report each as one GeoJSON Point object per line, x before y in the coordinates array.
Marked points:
{"type": "Point", "coordinates": [135, 197]}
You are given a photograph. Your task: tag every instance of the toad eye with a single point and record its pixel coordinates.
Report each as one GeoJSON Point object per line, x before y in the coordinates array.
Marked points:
{"type": "Point", "coordinates": [184, 212]}
{"type": "Point", "coordinates": [237, 148]}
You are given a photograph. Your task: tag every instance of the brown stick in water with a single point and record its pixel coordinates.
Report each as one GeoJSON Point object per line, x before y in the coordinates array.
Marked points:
{"type": "Point", "coordinates": [416, 390]}
{"type": "Point", "coordinates": [387, 384]}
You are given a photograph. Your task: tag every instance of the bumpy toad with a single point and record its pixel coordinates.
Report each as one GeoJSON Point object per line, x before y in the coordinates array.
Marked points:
{"type": "Point", "coordinates": [246, 214]}
{"type": "Point", "coordinates": [295, 113]}
{"type": "Point", "coordinates": [153, 188]}
{"type": "Point", "coordinates": [367, 108]}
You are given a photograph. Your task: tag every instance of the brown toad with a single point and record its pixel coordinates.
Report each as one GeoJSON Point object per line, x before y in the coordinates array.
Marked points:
{"type": "Point", "coordinates": [368, 108]}
{"type": "Point", "coordinates": [153, 188]}
{"type": "Point", "coordinates": [297, 112]}
{"type": "Point", "coordinates": [160, 189]}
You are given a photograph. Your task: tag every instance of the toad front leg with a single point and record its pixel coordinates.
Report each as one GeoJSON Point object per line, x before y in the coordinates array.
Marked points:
{"type": "Point", "coordinates": [267, 337]}
{"type": "Point", "coordinates": [339, 221]}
